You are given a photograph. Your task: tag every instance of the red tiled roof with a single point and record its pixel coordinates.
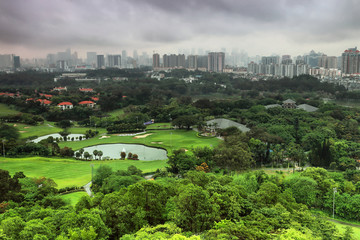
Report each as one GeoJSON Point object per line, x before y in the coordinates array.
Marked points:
{"type": "Point", "coordinates": [64, 103]}
{"type": "Point", "coordinates": [30, 99]}
{"type": "Point", "coordinates": [95, 98]}
{"type": "Point", "coordinates": [7, 94]}
{"type": "Point", "coordinates": [86, 102]}
{"type": "Point", "coordinates": [86, 89]}
{"type": "Point", "coordinates": [44, 101]}
{"type": "Point", "coordinates": [46, 95]}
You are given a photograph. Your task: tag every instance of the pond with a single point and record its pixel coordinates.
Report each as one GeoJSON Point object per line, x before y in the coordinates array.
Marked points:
{"type": "Point", "coordinates": [56, 135]}
{"type": "Point", "coordinates": [144, 153]}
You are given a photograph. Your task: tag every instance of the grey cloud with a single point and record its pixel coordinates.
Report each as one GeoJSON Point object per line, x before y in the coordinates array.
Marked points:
{"type": "Point", "coordinates": [128, 23]}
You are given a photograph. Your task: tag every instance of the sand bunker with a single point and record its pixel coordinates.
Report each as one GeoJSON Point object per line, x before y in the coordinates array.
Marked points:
{"type": "Point", "coordinates": [102, 137]}
{"type": "Point", "coordinates": [157, 142]}
{"type": "Point", "coordinates": [14, 125]}
{"type": "Point", "coordinates": [26, 127]}
{"type": "Point", "coordinates": [22, 131]}
{"type": "Point", "coordinates": [143, 136]}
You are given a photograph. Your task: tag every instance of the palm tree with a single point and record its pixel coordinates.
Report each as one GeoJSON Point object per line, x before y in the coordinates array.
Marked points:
{"type": "Point", "coordinates": [81, 151]}
{"type": "Point", "coordinates": [86, 155]}
{"type": "Point", "coordinates": [100, 153]}
{"type": "Point", "coordinates": [95, 152]}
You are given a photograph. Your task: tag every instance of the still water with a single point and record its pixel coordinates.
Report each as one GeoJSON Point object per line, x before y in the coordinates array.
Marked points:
{"type": "Point", "coordinates": [143, 152]}
{"type": "Point", "coordinates": [56, 135]}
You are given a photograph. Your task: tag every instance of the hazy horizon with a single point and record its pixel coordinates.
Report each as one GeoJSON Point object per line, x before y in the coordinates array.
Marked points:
{"type": "Point", "coordinates": [34, 28]}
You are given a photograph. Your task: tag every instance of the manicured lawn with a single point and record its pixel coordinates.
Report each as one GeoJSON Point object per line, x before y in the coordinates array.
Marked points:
{"type": "Point", "coordinates": [73, 198]}
{"type": "Point", "coordinates": [82, 130]}
{"type": "Point", "coordinates": [156, 126]}
{"type": "Point", "coordinates": [40, 130]}
{"type": "Point", "coordinates": [167, 139]}
{"type": "Point", "coordinates": [117, 112]}
{"type": "Point", "coordinates": [69, 172]}
{"type": "Point", "coordinates": [48, 128]}
{"type": "Point", "coordinates": [6, 110]}
{"type": "Point", "coordinates": [342, 228]}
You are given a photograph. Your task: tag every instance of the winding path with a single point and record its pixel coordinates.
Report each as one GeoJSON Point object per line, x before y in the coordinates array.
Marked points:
{"type": "Point", "coordinates": [87, 189]}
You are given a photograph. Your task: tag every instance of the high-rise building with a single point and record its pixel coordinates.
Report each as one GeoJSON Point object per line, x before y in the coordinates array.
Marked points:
{"type": "Point", "coordinates": [100, 61]}
{"type": "Point", "coordinates": [16, 62]}
{"type": "Point", "coordinates": [124, 59]}
{"type": "Point", "coordinates": [216, 61]}
{"type": "Point", "coordinates": [270, 60]}
{"type": "Point", "coordinates": [202, 62]}
{"type": "Point", "coordinates": [135, 55]}
{"type": "Point", "coordinates": [51, 60]}
{"type": "Point", "coordinates": [91, 58]}
{"type": "Point", "coordinates": [192, 61]}
{"type": "Point", "coordinates": [174, 61]}
{"type": "Point", "coordinates": [312, 58]}
{"type": "Point", "coordinates": [114, 61]}
{"type": "Point", "coordinates": [350, 61]}
{"type": "Point", "coordinates": [6, 61]}
{"type": "Point", "coordinates": [156, 60]}
{"type": "Point", "coordinates": [327, 61]}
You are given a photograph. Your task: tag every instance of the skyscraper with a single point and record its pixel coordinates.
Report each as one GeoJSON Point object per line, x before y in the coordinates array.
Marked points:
{"type": "Point", "coordinates": [192, 61]}
{"type": "Point", "coordinates": [100, 61]}
{"type": "Point", "coordinates": [16, 62]}
{"type": "Point", "coordinates": [174, 61]}
{"type": "Point", "coordinates": [156, 60]}
{"type": "Point", "coordinates": [114, 61]}
{"type": "Point", "coordinates": [351, 61]}
{"type": "Point", "coordinates": [216, 61]}
{"type": "Point", "coordinates": [91, 58]}
{"type": "Point", "coordinates": [124, 59]}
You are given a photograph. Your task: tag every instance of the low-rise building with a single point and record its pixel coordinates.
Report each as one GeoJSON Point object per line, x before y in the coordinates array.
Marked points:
{"type": "Point", "coordinates": [86, 90]}
{"type": "Point", "coordinates": [288, 103]}
{"type": "Point", "coordinates": [65, 105]}
{"type": "Point", "coordinates": [44, 102]}
{"type": "Point", "coordinates": [59, 89]}
{"type": "Point", "coordinates": [87, 103]}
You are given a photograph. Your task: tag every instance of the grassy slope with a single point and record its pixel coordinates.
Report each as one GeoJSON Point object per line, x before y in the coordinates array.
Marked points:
{"type": "Point", "coordinates": [73, 198]}
{"type": "Point", "coordinates": [117, 112]}
{"type": "Point", "coordinates": [167, 139]}
{"type": "Point", "coordinates": [156, 126]}
{"type": "Point", "coordinates": [40, 130]}
{"type": "Point", "coordinates": [69, 172]}
{"type": "Point", "coordinates": [6, 110]}
{"type": "Point", "coordinates": [342, 227]}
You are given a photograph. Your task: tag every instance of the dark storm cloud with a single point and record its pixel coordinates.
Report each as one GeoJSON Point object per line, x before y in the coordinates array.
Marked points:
{"type": "Point", "coordinates": [151, 23]}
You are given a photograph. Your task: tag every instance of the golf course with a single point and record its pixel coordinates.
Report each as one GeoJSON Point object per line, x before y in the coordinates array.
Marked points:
{"type": "Point", "coordinates": [68, 172]}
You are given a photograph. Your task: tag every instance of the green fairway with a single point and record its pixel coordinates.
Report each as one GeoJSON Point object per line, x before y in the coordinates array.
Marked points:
{"type": "Point", "coordinates": [167, 139]}
{"type": "Point", "coordinates": [40, 130]}
{"type": "Point", "coordinates": [73, 198]}
{"type": "Point", "coordinates": [69, 172]}
{"type": "Point", "coordinates": [6, 110]}
{"type": "Point", "coordinates": [49, 128]}
{"type": "Point", "coordinates": [82, 130]}
{"type": "Point", "coordinates": [156, 126]}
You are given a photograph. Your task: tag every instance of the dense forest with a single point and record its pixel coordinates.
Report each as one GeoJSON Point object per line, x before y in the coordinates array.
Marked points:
{"type": "Point", "coordinates": [199, 205]}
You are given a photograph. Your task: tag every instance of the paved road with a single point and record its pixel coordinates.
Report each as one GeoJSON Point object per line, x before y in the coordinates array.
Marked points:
{"type": "Point", "coordinates": [344, 223]}
{"type": "Point", "coordinates": [88, 190]}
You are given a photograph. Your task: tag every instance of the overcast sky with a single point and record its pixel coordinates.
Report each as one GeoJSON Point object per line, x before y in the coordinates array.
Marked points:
{"type": "Point", "coordinates": [33, 28]}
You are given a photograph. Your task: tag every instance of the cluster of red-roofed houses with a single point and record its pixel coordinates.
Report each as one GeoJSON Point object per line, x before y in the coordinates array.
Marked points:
{"type": "Point", "coordinates": [69, 105]}
{"type": "Point", "coordinates": [66, 105]}
{"type": "Point", "coordinates": [44, 100]}
{"type": "Point", "coordinates": [12, 95]}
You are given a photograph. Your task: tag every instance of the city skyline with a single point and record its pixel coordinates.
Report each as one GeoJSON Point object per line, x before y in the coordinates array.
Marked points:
{"type": "Point", "coordinates": [35, 28]}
